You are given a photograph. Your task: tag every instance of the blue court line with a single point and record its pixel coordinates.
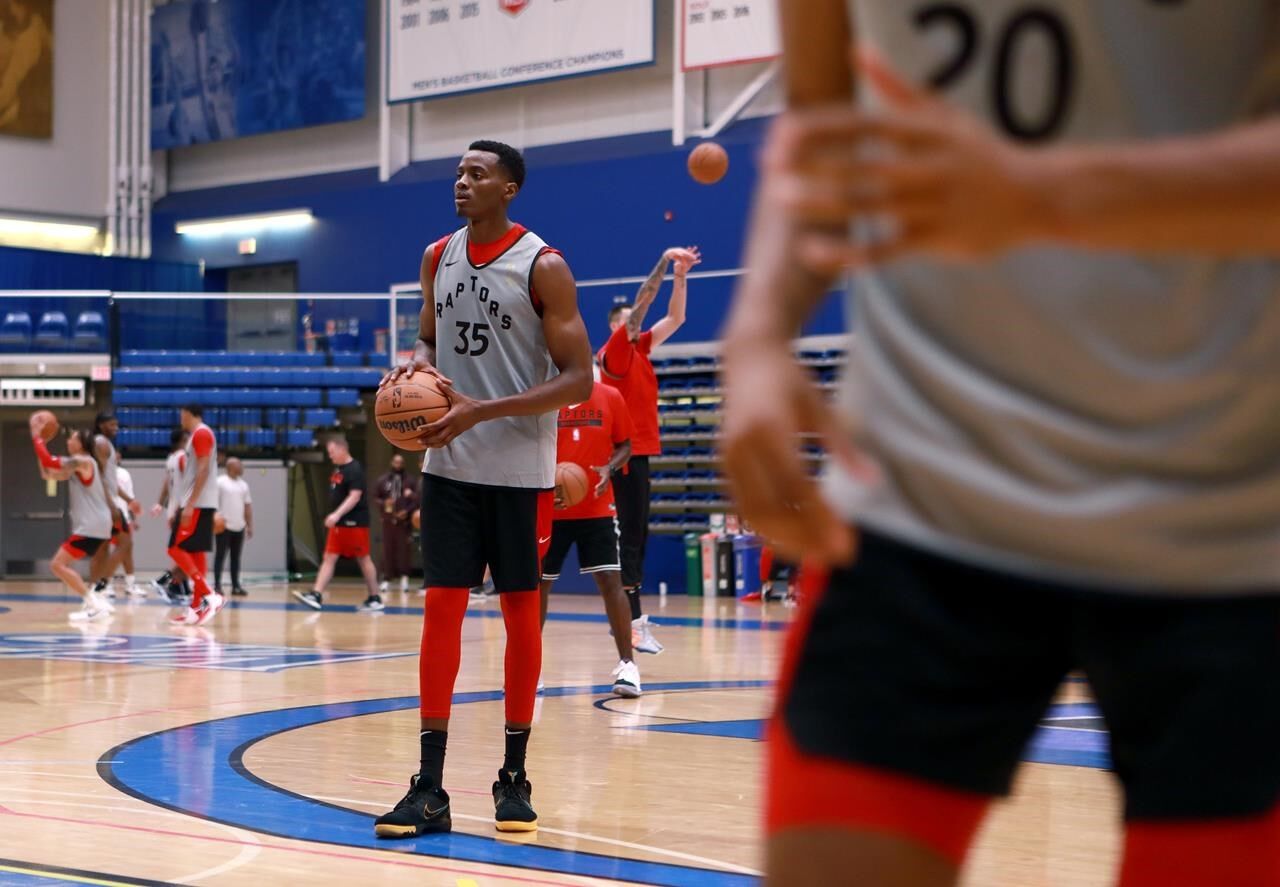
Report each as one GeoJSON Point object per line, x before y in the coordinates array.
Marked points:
{"type": "Point", "coordinates": [199, 770]}
{"type": "Point", "coordinates": [495, 613]}
{"type": "Point", "coordinates": [750, 728]}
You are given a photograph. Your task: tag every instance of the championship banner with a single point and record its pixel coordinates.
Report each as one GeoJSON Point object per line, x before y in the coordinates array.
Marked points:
{"type": "Point", "coordinates": [729, 32]}
{"type": "Point", "coordinates": [441, 47]}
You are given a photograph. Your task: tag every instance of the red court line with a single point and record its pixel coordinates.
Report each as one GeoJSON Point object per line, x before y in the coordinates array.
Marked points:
{"type": "Point", "coordinates": [304, 850]}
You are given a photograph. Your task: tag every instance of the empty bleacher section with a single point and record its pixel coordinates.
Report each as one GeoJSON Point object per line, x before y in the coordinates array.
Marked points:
{"type": "Point", "coordinates": [253, 400]}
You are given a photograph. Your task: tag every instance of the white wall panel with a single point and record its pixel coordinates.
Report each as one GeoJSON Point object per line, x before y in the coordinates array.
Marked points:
{"type": "Point", "coordinates": [66, 175]}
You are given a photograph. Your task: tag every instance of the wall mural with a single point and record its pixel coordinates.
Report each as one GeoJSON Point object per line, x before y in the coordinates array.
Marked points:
{"type": "Point", "coordinates": [242, 67]}
{"type": "Point", "coordinates": [26, 68]}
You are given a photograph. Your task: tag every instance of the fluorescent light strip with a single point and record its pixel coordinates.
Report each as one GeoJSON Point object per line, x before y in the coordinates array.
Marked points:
{"type": "Point", "coordinates": [251, 224]}
{"type": "Point", "coordinates": [47, 229]}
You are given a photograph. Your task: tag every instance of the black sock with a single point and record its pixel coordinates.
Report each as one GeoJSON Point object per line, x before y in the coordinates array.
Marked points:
{"type": "Point", "coordinates": [633, 598]}
{"type": "Point", "coordinates": [517, 745]}
{"type": "Point", "coordinates": [431, 767]}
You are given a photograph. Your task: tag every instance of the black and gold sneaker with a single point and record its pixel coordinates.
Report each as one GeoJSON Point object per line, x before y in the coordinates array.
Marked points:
{"type": "Point", "coordinates": [512, 810]}
{"type": "Point", "coordinates": [425, 809]}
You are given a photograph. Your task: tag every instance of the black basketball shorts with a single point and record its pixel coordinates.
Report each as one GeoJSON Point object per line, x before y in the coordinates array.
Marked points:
{"type": "Point", "coordinates": [917, 664]}
{"type": "Point", "coordinates": [196, 535]}
{"type": "Point", "coordinates": [468, 526]}
{"type": "Point", "coordinates": [597, 541]}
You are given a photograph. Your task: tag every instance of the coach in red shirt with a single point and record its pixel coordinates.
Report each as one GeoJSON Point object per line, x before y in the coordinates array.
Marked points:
{"type": "Point", "coordinates": [625, 365]}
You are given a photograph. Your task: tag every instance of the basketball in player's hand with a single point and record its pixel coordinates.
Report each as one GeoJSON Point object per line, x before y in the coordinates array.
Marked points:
{"type": "Point", "coordinates": [45, 424]}
{"type": "Point", "coordinates": [571, 484]}
{"type": "Point", "coordinates": [406, 407]}
{"type": "Point", "coordinates": [708, 163]}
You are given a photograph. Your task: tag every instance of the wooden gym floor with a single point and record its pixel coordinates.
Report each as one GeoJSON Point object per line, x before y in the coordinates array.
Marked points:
{"type": "Point", "coordinates": [258, 750]}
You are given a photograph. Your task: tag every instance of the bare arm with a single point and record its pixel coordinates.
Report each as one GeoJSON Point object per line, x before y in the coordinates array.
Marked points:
{"type": "Point", "coordinates": [102, 451]}
{"type": "Point", "coordinates": [667, 327]}
{"type": "Point", "coordinates": [353, 499]}
{"type": "Point", "coordinates": [644, 297]}
{"type": "Point", "coordinates": [769, 399]}
{"type": "Point", "coordinates": [961, 191]}
{"type": "Point", "coordinates": [248, 518]}
{"type": "Point", "coordinates": [570, 351]}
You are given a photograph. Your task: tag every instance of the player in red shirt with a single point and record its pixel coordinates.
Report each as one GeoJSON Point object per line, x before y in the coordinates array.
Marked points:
{"type": "Point", "coordinates": [595, 434]}
{"type": "Point", "coordinates": [625, 365]}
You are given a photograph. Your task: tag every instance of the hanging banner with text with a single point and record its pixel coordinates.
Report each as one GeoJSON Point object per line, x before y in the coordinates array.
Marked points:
{"type": "Point", "coordinates": [441, 47]}
{"type": "Point", "coordinates": [729, 32]}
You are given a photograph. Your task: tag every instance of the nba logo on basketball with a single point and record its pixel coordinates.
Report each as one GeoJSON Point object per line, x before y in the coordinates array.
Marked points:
{"type": "Point", "coordinates": [513, 7]}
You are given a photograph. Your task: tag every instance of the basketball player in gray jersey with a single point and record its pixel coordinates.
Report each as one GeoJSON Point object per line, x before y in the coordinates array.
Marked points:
{"type": "Point", "coordinates": [1063, 395]}
{"type": "Point", "coordinates": [89, 512]}
{"type": "Point", "coordinates": [103, 564]}
{"type": "Point", "coordinates": [501, 333]}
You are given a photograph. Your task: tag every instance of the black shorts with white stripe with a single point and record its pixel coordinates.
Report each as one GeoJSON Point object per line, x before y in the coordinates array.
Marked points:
{"type": "Point", "coordinates": [597, 541]}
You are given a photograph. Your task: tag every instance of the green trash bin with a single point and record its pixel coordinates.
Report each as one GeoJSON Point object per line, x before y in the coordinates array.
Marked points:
{"type": "Point", "coordinates": [692, 565]}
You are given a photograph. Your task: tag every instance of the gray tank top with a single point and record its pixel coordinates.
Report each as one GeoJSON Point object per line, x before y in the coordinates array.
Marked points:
{"type": "Point", "coordinates": [172, 467]}
{"type": "Point", "coordinates": [209, 493]}
{"type": "Point", "coordinates": [489, 341]}
{"type": "Point", "coordinates": [1094, 417]}
{"type": "Point", "coordinates": [113, 462]}
{"type": "Point", "coordinates": [90, 516]}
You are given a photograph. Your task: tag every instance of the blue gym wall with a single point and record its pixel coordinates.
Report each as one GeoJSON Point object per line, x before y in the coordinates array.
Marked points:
{"type": "Point", "coordinates": [603, 203]}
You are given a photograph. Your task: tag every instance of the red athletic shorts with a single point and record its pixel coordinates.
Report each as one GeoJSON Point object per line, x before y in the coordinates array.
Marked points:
{"type": "Point", "coordinates": [350, 542]}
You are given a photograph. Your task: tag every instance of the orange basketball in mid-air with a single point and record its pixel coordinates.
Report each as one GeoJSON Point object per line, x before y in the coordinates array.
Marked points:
{"type": "Point", "coordinates": [47, 423]}
{"type": "Point", "coordinates": [406, 407]}
{"type": "Point", "coordinates": [708, 163]}
{"type": "Point", "coordinates": [571, 483]}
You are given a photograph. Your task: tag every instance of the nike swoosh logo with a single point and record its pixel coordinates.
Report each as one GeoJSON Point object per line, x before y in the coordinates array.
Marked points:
{"type": "Point", "coordinates": [426, 809]}
{"type": "Point", "coordinates": [543, 540]}
{"type": "Point", "coordinates": [454, 262]}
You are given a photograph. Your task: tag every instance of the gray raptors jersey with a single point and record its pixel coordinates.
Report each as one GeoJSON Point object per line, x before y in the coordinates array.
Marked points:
{"type": "Point", "coordinates": [90, 516]}
{"type": "Point", "coordinates": [489, 341]}
{"type": "Point", "coordinates": [173, 471]}
{"type": "Point", "coordinates": [209, 493]}
{"type": "Point", "coordinates": [113, 462]}
{"type": "Point", "coordinates": [1097, 417]}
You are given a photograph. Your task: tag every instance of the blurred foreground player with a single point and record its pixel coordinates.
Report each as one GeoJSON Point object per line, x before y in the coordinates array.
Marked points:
{"type": "Point", "coordinates": [625, 365]}
{"type": "Point", "coordinates": [192, 536]}
{"type": "Point", "coordinates": [499, 319]}
{"type": "Point", "coordinates": [596, 435]}
{"type": "Point", "coordinates": [1064, 388]}
{"type": "Point", "coordinates": [89, 512]}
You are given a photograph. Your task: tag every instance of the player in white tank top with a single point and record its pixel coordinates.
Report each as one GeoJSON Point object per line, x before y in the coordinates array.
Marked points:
{"type": "Point", "coordinates": [1062, 389]}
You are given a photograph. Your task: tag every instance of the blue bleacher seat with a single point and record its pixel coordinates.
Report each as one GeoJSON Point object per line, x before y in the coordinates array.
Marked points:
{"type": "Point", "coordinates": [90, 332]}
{"type": "Point", "coordinates": [297, 437]}
{"type": "Point", "coordinates": [319, 418]}
{"type": "Point", "coordinates": [15, 331]}
{"type": "Point", "coordinates": [346, 359]}
{"type": "Point", "coordinates": [340, 397]}
{"type": "Point", "coordinates": [52, 331]}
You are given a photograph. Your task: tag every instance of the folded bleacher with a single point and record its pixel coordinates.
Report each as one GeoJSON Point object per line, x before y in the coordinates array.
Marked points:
{"type": "Point", "coordinates": [253, 400]}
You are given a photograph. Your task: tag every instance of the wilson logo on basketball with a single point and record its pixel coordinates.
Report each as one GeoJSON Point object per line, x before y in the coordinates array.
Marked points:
{"type": "Point", "coordinates": [513, 7]}
{"type": "Point", "coordinates": [403, 426]}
